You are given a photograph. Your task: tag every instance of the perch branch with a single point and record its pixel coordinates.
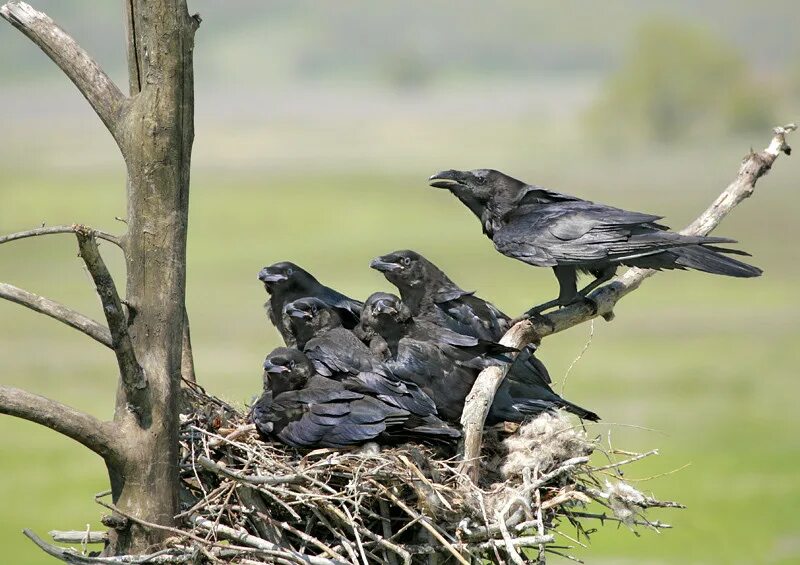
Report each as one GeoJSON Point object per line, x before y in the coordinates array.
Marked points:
{"type": "Point", "coordinates": [83, 428]}
{"type": "Point", "coordinates": [56, 311]}
{"type": "Point", "coordinates": [753, 167]}
{"type": "Point", "coordinates": [101, 92]}
{"type": "Point", "coordinates": [111, 238]}
{"type": "Point", "coordinates": [130, 370]}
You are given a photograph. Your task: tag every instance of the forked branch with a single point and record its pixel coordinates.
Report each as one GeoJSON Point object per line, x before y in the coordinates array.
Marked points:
{"type": "Point", "coordinates": [49, 230]}
{"type": "Point", "coordinates": [130, 370]}
{"type": "Point", "coordinates": [82, 427]}
{"type": "Point", "coordinates": [101, 92]}
{"type": "Point", "coordinates": [57, 311]}
{"type": "Point", "coordinates": [753, 167]}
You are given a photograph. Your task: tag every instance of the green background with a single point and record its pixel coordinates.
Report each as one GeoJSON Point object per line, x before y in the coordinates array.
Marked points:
{"type": "Point", "coordinates": [323, 162]}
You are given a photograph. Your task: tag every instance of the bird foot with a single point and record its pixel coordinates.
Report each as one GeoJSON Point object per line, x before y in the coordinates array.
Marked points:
{"type": "Point", "coordinates": [535, 317]}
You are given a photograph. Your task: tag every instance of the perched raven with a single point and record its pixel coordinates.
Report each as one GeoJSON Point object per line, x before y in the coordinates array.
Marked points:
{"type": "Point", "coordinates": [445, 364]}
{"type": "Point", "coordinates": [337, 353]}
{"type": "Point", "coordinates": [432, 296]}
{"type": "Point", "coordinates": [549, 229]}
{"type": "Point", "coordinates": [306, 410]}
{"type": "Point", "coordinates": [286, 281]}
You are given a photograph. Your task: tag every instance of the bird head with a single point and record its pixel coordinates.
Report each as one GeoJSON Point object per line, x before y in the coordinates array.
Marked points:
{"type": "Point", "coordinates": [477, 188]}
{"type": "Point", "coordinates": [286, 369]}
{"type": "Point", "coordinates": [310, 316]}
{"type": "Point", "coordinates": [403, 268]}
{"type": "Point", "coordinates": [382, 311]}
{"type": "Point", "coordinates": [283, 275]}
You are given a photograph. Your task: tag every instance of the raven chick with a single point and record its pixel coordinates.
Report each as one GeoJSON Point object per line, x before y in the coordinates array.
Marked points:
{"type": "Point", "coordinates": [306, 410]}
{"type": "Point", "coordinates": [432, 296]}
{"type": "Point", "coordinates": [549, 229]}
{"type": "Point", "coordinates": [286, 281]}
{"type": "Point", "coordinates": [445, 364]}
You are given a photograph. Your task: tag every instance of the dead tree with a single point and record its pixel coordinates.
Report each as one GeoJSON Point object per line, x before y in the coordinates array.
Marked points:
{"type": "Point", "coordinates": [153, 127]}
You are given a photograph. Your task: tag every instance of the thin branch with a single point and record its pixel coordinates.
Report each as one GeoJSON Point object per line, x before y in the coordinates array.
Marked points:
{"type": "Point", "coordinates": [83, 428]}
{"type": "Point", "coordinates": [130, 371]}
{"type": "Point", "coordinates": [753, 167]}
{"type": "Point", "coordinates": [111, 238]}
{"type": "Point", "coordinates": [101, 92]}
{"type": "Point", "coordinates": [69, 555]}
{"type": "Point", "coordinates": [56, 311]}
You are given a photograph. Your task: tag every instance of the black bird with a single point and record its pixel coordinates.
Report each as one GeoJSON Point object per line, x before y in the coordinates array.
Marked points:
{"type": "Point", "coordinates": [432, 296]}
{"type": "Point", "coordinates": [306, 410]}
{"type": "Point", "coordinates": [549, 229]}
{"type": "Point", "coordinates": [337, 353]}
{"type": "Point", "coordinates": [286, 282]}
{"type": "Point", "coordinates": [445, 364]}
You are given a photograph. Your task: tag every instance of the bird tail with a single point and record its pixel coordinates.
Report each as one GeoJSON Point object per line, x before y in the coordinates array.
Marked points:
{"type": "Point", "coordinates": [581, 413]}
{"type": "Point", "coordinates": [710, 259]}
{"type": "Point", "coordinates": [706, 258]}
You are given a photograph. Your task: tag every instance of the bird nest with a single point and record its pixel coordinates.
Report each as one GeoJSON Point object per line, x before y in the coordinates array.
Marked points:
{"type": "Point", "coordinates": [254, 501]}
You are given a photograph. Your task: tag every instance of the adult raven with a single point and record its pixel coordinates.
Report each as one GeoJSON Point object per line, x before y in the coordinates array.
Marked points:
{"type": "Point", "coordinates": [337, 353]}
{"type": "Point", "coordinates": [432, 296]}
{"type": "Point", "coordinates": [285, 282]}
{"type": "Point", "coordinates": [549, 229]}
{"type": "Point", "coordinates": [306, 410]}
{"type": "Point", "coordinates": [445, 364]}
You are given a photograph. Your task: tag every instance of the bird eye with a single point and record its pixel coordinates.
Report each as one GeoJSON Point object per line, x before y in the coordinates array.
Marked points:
{"type": "Point", "coordinates": [289, 271]}
{"type": "Point", "coordinates": [480, 180]}
{"type": "Point", "coordinates": [406, 261]}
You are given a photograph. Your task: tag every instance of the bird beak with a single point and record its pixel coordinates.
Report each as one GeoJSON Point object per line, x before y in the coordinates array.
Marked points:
{"type": "Point", "coordinates": [265, 276]}
{"type": "Point", "coordinates": [384, 266]}
{"type": "Point", "coordinates": [383, 307]}
{"type": "Point", "coordinates": [447, 179]}
{"type": "Point", "coordinates": [297, 313]}
{"type": "Point", "coordinates": [271, 368]}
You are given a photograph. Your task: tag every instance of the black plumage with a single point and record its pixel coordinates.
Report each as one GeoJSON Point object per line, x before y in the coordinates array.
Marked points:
{"type": "Point", "coordinates": [445, 364]}
{"type": "Point", "coordinates": [549, 229]}
{"type": "Point", "coordinates": [431, 295]}
{"type": "Point", "coordinates": [337, 353]}
{"type": "Point", "coordinates": [306, 410]}
{"type": "Point", "coordinates": [285, 282]}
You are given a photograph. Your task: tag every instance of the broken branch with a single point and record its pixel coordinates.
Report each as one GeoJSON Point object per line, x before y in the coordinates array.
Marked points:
{"type": "Point", "coordinates": [95, 85]}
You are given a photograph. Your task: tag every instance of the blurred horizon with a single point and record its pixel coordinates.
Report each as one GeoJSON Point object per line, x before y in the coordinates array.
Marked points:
{"type": "Point", "coordinates": [317, 125]}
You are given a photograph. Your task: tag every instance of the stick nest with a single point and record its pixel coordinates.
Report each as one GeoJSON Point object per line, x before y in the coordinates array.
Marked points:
{"type": "Point", "coordinates": [248, 500]}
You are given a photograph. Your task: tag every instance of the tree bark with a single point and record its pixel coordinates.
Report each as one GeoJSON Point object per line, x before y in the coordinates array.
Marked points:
{"type": "Point", "coordinates": [156, 142]}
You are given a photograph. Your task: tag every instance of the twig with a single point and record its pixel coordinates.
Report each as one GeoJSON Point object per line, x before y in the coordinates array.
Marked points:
{"type": "Point", "coordinates": [111, 238]}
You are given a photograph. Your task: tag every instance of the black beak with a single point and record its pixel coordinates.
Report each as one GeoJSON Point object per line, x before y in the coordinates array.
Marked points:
{"type": "Point", "coordinates": [270, 367]}
{"type": "Point", "coordinates": [447, 179]}
{"type": "Point", "coordinates": [384, 307]}
{"type": "Point", "coordinates": [297, 312]}
{"type": "Point", "coordinates": [384, 266]}
{"type": "Point", "coordinates": [265, 276]}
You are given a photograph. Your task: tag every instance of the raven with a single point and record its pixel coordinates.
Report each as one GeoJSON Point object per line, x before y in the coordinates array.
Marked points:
{"type": "Point", "coordinates": [432, 296]}
{"type": "Point", "coordinates": [337, 353]}
{"type": "Point", "coordinates": [549, 229]}
{"type": "Point", "coordinates": [286, 281]}
{"type": "Point", "coordinates": [445, 364]}
{"type": "Point", "coordinates": [306, 410]}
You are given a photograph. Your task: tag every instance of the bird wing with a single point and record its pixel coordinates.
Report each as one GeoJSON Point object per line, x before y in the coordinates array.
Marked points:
{"type": "Point", "coordinates": [468, 314]}
{"type": "Point", "coordinates": [580, 232]}
{"type": "Point", "coordinates": [339, 351]}
{"type": "Point", "coordinates": [349, 308]}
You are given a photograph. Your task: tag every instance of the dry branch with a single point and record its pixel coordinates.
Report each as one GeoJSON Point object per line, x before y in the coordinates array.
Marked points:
{"type": "Point", "coordinates": [49, 230]}
{"type": "Point", "coordinates": [753, 167]}
{"type": "Point", "coordinates": [101, 92]}
{"type": "Point", "coordinates": [83, 428]}
{"type": "Point", "coordinates": [130, 371]}
{"type": "Point", "coordinates": [56, 311]}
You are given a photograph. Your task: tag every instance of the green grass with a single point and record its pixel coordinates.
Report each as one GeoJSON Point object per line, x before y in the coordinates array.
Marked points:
{"type": "Point", "coordinates": [708, 363]}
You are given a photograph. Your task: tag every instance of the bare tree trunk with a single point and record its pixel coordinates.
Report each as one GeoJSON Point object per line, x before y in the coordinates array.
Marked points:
{"type": "Point", "coordinates": [156, 143]}
{"type": "Point", "coordinates": [154, 130]}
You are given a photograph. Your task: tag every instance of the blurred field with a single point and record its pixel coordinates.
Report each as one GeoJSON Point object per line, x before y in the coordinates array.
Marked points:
{"type": "Point", "coordinates": [708, 363]}
{"type": "Point", "coordinates": [316, 129]}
